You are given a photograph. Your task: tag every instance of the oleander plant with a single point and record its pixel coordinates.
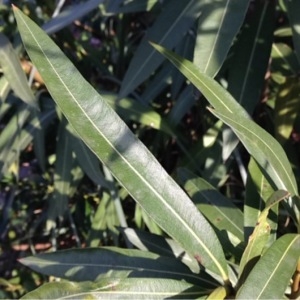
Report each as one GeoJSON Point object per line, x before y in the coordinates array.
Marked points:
{"type": "Point", "coordinates": [149, 149]}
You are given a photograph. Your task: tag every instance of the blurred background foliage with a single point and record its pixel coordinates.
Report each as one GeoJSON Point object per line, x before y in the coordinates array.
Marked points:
{"type": "Point", "coordinates": [54, 192]}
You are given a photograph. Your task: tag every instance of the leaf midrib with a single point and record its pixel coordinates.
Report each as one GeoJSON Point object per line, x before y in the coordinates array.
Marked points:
{"type": "Point", "coordinates": [267, 146]}
{"type": "Point", "coordinates": [213, 258]}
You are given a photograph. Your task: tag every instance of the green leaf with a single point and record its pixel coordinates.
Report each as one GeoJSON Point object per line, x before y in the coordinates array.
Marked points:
{"type": "Point", "coordinates": [129, 288]}
{"type": "Point", "coordinates": [4, 89]}
{"type": "Point", "coordinates": [218, 25]}
{"type": "Point", "coordinates": [214, 93]}
{"type": "Point", "coordinates": [250, 60]}
{"type": "Point", "coordinates": [252, 55]}
{"type": "Point", "coordinates": [259, 238]}
{"type": "Point", "coordinates": [261, 145]}
{"type": "Point", "coordinates": [58, 204]}
{"type": "Point", "coordinates": [168, 29]}
{"type": "Point", "coordinates": [264, 148]}
{"type": "Point", "coordinates": [12, 69]}
{"type": "Point", "coordinates": [95, 263]}
{"type": "Point", "coordinates": [11, 134]}
{"type": "Point", "coordinates": [158, 244]}
{"type": "Point", "coordinates": [25, 137]}
{"type": "Point", "coordinates": [258, 191]}
{"type": "Point", "coordinates": [69, 15]}
{"type": "Point", "coordinates": [88, 161]}
{"type": "Point", "coordinates": [118, 148]}
{"type": "Point", "coordinates": [219, 210]}
{"type": "Point", "coordinates": [272, 273]}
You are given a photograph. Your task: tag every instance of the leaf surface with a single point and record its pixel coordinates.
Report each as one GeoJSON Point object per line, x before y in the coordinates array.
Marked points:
{"type": "Point", "coordinates": [118, 148]}
{"type": "Point", "coordinates": [129, 288]}
{"type": "Point", "coordinates": [271, 275]}
{"type": "Point", "coordinates": [168, 29]}
{"type": "Point", "coordinates": [95, 263]}
{"type": "Point", "coordinates": [14, 73]}
{"type": "Point", "coordinates": [260, 144]}
{"type": "Point", "coordinates": [259, 238]}
{"type": "Point", "coordinates": [218, 25]}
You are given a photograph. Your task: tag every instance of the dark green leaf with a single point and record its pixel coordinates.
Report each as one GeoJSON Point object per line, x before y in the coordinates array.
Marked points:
{"type": "Point", "coordinates": [170, 26]}
{"type": "Point", "coordinates": [218, 25]}
{"type": "Point", "coordinates": [95, 263]}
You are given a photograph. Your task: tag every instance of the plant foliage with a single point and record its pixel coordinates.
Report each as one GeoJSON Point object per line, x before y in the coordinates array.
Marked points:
{"type": "Point", "coordinates": [164, 136]}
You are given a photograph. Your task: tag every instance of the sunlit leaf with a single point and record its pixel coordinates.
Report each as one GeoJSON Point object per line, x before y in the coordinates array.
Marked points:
{"type": "Point", "coordinates": [117, 147]}
{"type": "Point", "coordinates": [258, 190]}
{"type": "Point", "coordinates": [218, 25]}
{"type": "Point", "coordinates": [129, 288]}
{"type": "Point", "coordinates": [259, 238]}
{"type": "Point", "coordinates": [260, 144]}
{"type": "Point", "coordinates": [272, 273]}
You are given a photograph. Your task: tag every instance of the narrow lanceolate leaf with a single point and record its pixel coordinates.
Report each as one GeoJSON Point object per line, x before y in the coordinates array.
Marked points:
{"type": "Point", "coordinates": [259, 238]}
{"type": "Point", "coordinates": [117, 147]}
{"type": "Point", "coordinates": [261, 145]}
{"type": "Point", "coordinates": [264, 148]}
{"type": "Point", "coordinates": [58, 203]}
{"type": "Point", "coordinates": [218, 25]}
{"type": "Point", "coordinates": [12, 69]}
{"type": "Point", "coordinates": [251, 57]}
{"type": "Point", "coordinates": [218, 97]}
{"type": "Point", "coordinates": [128, 288]}
{"type": "Point", "coordinates": [168, 29]}
{"type": "Point", "coordinates": [95, 263]}
{"type": "Point", "coordinates": [258, 191]}
{"type": "Point", "coordinates": [272, 273]}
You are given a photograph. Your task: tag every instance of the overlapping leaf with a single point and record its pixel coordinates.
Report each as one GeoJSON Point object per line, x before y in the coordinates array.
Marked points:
{"type": "Point", "coordinates": [129, 288]}
{"type": "Point", "coordinates": [168, 29]}
{"type": "Point", "coordinates": [260, 144]}
{"type": "Point", "coordinates": [259, 238]}
{"type": "Point", "coordinates": [95, 263]}
{"type": "Point", "coordinates": [218, 25]}
{"type": "Point", "coordinates": [272, 273]}
{"type": "Point", "coordinates": [117, 147]}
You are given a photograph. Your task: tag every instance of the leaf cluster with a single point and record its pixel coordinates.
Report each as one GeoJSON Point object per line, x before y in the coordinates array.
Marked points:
{"type": "Point", "coordinates": [165, 137]}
